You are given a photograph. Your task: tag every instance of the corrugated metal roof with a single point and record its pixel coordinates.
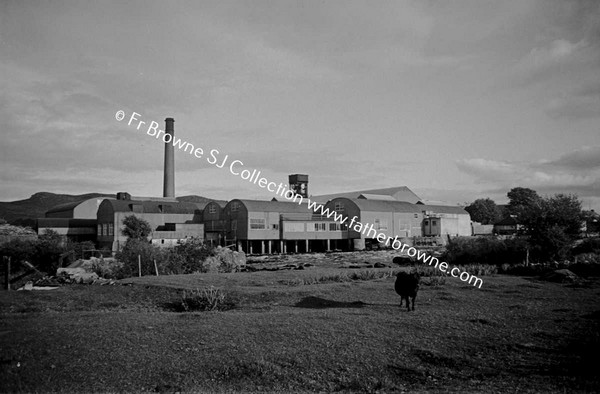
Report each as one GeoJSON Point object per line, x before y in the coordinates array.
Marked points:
{"type": "Point", "coordinates": [401, 206]}
{"type": "Point", "coordinates": [154, 206]}
{"type": "Point", "coordinates": [404, 194]}
{"type": "Point", "coordinates": [384, 197]}
{"type": "Point", "coordinates": [69, 206]}
{"type": "Point", "coordinates": [273, 206]}
{"type": "Point", "coordinates": [385, 206]}
{"type": "Point", "coordinates": [444, 209]}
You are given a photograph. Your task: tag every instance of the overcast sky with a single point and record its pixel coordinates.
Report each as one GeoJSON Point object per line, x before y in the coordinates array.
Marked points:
{"type": "Point", "coordinates": [455, 99]}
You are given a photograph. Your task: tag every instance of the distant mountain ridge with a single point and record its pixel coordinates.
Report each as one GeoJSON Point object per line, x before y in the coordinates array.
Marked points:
{"type": "Point", "coordinates": [25, 212]}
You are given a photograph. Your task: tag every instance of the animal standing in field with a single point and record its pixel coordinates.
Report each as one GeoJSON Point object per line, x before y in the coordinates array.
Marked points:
{"type": "Point", "coordinates": [407, 286]}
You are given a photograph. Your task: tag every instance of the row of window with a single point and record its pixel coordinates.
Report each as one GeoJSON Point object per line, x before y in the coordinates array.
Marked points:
{"type": "Point", "coordinates": [292, 227]}
{"type": "Point", "coordinates": [106, 229]}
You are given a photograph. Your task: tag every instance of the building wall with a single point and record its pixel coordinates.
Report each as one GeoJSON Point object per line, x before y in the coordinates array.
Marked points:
{"type": "Point", "coordinates": [390, 223]}
{"type": "Point", "coordinates": [310, 229]}
{"type": "Point", "coordinates": [236, 220]}
{"type": "Point", "coordinates": [110, 226]}
{"type": "Point", "coordinates": [183, 231]}
{"type": "Point", "coordinates": [268, 220]}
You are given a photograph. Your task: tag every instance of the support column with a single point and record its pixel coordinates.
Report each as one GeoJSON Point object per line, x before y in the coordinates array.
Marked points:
{"type": "Point", "coordinates": [249, 246]}
{"type": "Point", "coordinates": [281, 246]}
{"type": "Point", "coordinates": [269, 249]}
{"type": "Point", "coordinates": [328, 245]}
{"type": "Point", "coordinates": [307, 248]}
{"type": "Point", "coordinates": [296, 246]}
{"type": "Point", "coordinates": [262, 247]}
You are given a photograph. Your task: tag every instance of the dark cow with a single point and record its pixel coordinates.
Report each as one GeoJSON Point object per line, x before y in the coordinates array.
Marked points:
{"type": "Point", "coordinates": [407, 286]}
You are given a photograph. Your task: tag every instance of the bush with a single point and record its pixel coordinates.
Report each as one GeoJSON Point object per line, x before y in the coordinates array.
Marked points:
{"type": "Point", "coordinates": [129, 257]}
{"type": "Point", "coordinates": [485, 250]}
{"type": "Point", "coordinates": [208, 299]}
{"type": "Point", "coordinates": [48, 248]}
{"type": "Point", "coordinates": [108, 268]}
{"type": "Point", "coordinates": [19, 250]}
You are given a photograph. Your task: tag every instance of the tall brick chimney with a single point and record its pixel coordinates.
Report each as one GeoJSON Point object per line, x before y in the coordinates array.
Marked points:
{"type": "Point", "coordinates": [169, 173]}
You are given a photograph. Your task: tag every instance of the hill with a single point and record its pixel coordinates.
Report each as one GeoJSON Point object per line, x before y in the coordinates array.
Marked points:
{"type": "Point", "coordinates": [25, 212]}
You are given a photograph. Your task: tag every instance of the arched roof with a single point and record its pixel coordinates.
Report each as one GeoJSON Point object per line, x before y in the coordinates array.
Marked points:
{"type": "Point", "coordinates": [399, 206]}
{"type": "Point", "coordinates": [272, 206]}
{"type": "Point", "coordinates": [151, 206]}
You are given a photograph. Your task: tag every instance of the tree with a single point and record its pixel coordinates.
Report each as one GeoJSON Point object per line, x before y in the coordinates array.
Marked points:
{"type": "Point", "coordinates": [134, 249]}
{"type": "Point", "coordinates": [484, 211]}
{"type": "Point", "coordinates": [136, 228]}
{"type": "Point", "coordinates": [553, 223]}
{"type": "Point", "coordinates": [522, 200]}
{"type": "Point", "coordinates": [49, 246]}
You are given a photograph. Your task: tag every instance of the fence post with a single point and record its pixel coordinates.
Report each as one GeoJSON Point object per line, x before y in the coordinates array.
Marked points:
{"type": "Point", "coordinates": [7, 273]}
{"type": "Point", "coordinates": [139, 265]}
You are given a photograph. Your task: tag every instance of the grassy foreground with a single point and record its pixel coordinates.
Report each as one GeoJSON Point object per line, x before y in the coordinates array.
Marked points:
{"type": "Point", "coordinates": [513, 335]}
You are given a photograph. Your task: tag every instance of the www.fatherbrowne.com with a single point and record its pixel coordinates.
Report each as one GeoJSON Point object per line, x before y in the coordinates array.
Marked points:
{"type": "Point", "coordinates": [236, 168]}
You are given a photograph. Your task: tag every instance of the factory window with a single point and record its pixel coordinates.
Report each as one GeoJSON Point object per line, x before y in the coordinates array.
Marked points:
{"type": "Point", "coordinates": [276, 227]}
{"type": "Point", "coordinates": [99, 230]}
{"type": "Point", "coordinates": [434, 222]}
{"type": "Point", "coordinates": [212, 209]}
{"type": "Point", "coordinates": [334, 227]}
{"type": "Point", "coordinates": [416, 215]}
{"type": "Point", "coordinates": [339, 206]}
{"type": "Point", "coordinates": [104, 229]}
{"type": "Point", "coordinates": [309, 228]}
{"type": "Point", "coordinates": [234, 225]}
{"type": "Point", "coordinates": [320, 226]}
{"type": "Point", "coordinates": [427, 222]}
{"type": "Point", "coordinates": [235, 207]}
{"type": "Point", "coordinates": [111, 229]}
{"type": "Point", "coordinates": [257, 224]}
{"type": "Point", "coordinates": [383, 225]}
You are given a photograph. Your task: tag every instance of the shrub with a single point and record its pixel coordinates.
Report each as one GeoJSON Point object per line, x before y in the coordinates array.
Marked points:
{"type": "Point", "coordinates": [129, 257]}
{"type": "Point", "coordinates": [108, 268]}
{"type": "Point", "coordinates": [48, 248]}
{"type": "Point", "coordinates": [18, 250]}
{"type": "Point", "coordinates": [208, 299]}
{"type": "Point", "coordinates": [485, 250]}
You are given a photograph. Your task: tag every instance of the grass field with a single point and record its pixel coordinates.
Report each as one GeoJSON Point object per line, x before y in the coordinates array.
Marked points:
{"type": "Point", "coordinates": [513, 335]}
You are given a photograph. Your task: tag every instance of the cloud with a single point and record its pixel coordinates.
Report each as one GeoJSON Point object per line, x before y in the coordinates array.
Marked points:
{"type": "Point", "coordinates": [575, 172]}
{"type": "Point", "coordinates": [542, 62]}
{"type": "Point", "coordinates": [578, 104]}
{"type": "Point", "coordinates": [584, 159]}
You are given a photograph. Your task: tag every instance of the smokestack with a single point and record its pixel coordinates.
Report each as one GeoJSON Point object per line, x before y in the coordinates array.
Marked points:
{"type": "Point", "coordinates": [169, 173]}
